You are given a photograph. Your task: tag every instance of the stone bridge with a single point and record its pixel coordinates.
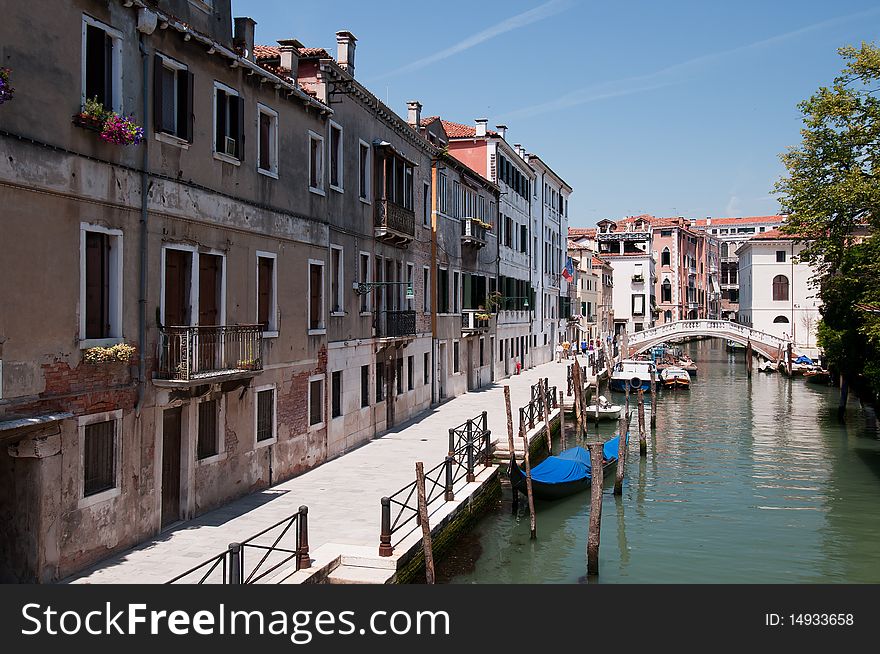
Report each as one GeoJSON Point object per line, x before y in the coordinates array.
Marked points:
{"type": "Point", "coordinates": [769, 346]}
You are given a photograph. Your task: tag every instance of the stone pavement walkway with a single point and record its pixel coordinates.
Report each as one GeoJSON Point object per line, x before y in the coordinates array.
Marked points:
{"type": "Point", "coordinates": [342, 495]}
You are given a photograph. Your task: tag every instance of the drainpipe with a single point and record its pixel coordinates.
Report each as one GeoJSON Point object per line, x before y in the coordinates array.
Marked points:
{"type": "Point", "coordinates": [142, 296]}
{"type": "Point", "coordinates": [432, 281]}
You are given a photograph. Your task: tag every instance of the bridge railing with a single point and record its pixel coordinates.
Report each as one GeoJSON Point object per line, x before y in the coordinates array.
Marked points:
{"type": "Point", "coordinates": [720, 327]}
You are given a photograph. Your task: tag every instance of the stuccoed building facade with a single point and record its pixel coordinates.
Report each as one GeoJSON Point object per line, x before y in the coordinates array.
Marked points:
{"type": "Point", "coordinates": [227, 249]}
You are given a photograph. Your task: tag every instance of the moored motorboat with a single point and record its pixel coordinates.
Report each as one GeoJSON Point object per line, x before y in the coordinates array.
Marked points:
{"type": "Point", "coordinates": [607, 411]}
{"type": "Point", "coordinates": [565, 474]}
{"type": "Point", "coordinates": [817, 376]}
{"type": "Point", "coordinates": [632, 373]}
{"type": "Point", "coordinates": [675, 377]}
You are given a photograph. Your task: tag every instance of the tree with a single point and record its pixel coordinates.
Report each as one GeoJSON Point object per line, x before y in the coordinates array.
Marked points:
{"type": "Point", "coordinates": [832, 198]}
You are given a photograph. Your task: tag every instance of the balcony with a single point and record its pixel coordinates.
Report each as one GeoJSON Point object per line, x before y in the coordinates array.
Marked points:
{"type": "Point", "coordinates": [396, 324]}
{"type": "Point", "coordinates": [638, 279]}
{"type": "Point", "coordinates": [395, 224]}
{"type": "Point", "coordinates": [191, 356]}
{"type": "Point", "coordinates": [473, 232]}
{"type": "Point", "coordinates": [475, 321]}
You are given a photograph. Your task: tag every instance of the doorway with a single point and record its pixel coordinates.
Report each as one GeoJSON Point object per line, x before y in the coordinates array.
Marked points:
{"type": "Point", "coordinates": [442, 374]}
{"type": "Point", "coordinates": [171, 442]}
{"type": "Point", "coordinates": [471, 368]}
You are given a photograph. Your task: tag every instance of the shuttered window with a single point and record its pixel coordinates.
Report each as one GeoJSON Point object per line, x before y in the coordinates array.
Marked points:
{"type": "Point", "coordinates": [173, 98]}
{"type": "Point", "coordinates": [265, 141]}
{"type": "Point", "coordinates": [229, 123]}
{"type": "Point", "coordinates": [337, 394]}
{"type": "Point", "coordinates": [365, 386]}
{"type": "Point", "coordinates": [265, 292]}
{"type": "Point", "coordinates": [208, 441]}
{"type": "Point", "coordinates": [316, 401]}
{"type": "Point", "coordinates": [99, 66]}
{"type": "Point", "coordinates": [780, 288]}
{"type": "Point", "coordinates": [97, 285]}
{"type": "Point", "coordinates": [99, 457]}
{"type": "Point", "coordinates": [265, 414]}
{"type": "Point", "coordinates": [316, 296]}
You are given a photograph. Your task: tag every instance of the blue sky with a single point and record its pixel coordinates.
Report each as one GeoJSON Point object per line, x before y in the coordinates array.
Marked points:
{"type": "Point", "coordinates": [668, 108]}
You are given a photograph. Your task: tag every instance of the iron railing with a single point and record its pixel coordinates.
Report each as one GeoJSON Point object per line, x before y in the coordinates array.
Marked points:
{"type": "Point", "coordinates": [469, 443]}
{"type": "Point", "coordinates": [390, 215]}
{"type": "Point", "coordinates": [530, 414]}
{"type": "Point", "coordinates": [194, 352]}
{"type": "Point", "coordinates": [475, 320]}
{"type": "Point", "coordinates": [472, 232]}
{"type": "Point", "coordinates": [396, 324]}
{"type": "Point", "coordinates": [232, 566]}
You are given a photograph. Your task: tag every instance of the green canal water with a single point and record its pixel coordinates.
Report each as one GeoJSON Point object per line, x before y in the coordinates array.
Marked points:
{"type": "Point", "coordinates": [745, 481]}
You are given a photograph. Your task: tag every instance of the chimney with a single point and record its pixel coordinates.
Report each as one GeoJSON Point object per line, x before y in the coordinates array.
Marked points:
{"type": "Point", "coordinates": [502, 129]}
{"type": "Point", "coordinates": [414, 113]}
{"type": "Point", "coordinates": [290, 55]}
{"type": "Point", "coordinates": [244, 36]}
{"type": "Point", "coordinates": [345, 45]}
{"type": "Point", "coordinates": [481, 126]}
{"type": "Point", "coordinates": [708, 220]}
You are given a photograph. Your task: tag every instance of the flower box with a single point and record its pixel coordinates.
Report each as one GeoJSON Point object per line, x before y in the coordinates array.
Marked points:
{"type": "Point", "coordinates": [6, 90]}
{"type": "Point", "coordinates": [113, 127]}
{"type": "Point", "coordinates": [88, 122]}
{"type": "Point", "coordinates": [120, 352]}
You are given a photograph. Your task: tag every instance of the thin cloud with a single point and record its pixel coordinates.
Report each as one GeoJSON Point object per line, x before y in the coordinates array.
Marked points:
{"type": "Point", "coordinates": [671, 75]}
{"type": "Point", "coordinates": [539, 13]}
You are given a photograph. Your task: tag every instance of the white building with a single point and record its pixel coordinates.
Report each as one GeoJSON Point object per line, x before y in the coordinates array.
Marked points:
{"type": "Point", "coordinates": [775, 293]}
{"type": "Point", "coordinates": [629, 252]}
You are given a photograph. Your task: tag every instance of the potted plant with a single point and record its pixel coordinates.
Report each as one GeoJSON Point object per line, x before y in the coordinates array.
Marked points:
{"type": "Point", "coordinates": [119, 352]}
{"type": "Point", "coordinates": [114, 128]}
{"type": "Point", "coordinates": [6, 89]}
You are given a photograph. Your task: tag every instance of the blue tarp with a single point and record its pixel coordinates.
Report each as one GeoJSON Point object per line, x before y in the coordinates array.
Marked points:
{"type": "Point", "coordinates": [571, 465]}
{"type": "Point", "coordinates": [804, 359]}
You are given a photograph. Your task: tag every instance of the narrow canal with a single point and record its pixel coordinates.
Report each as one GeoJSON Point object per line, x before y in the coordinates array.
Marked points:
{"type": "Point", "coordinates": [745, 481]}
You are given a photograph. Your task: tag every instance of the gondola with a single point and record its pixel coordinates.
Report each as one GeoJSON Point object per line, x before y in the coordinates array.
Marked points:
{"type": "Point", "coordinates": [562, 475]}
{"type": "Point", "coordinates": [817, 376]}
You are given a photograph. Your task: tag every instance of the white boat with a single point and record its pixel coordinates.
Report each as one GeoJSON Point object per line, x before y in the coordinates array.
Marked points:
{"type": "Point", "coordinates": [633, 373]}
{"type": "Point", "coordinates": [768, 366]}
{"type": "Point", "coordinates": [607, 411]}
{"type": "Point", "coordinates": [675, 377]}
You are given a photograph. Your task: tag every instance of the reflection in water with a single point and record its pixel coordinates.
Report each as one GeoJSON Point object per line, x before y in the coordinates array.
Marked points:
{"type": "Point", "coordinates": [745, 481]}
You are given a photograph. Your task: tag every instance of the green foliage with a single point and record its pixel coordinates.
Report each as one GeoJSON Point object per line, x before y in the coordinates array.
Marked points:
{"type": "Point", "coordinates": [832, 196]}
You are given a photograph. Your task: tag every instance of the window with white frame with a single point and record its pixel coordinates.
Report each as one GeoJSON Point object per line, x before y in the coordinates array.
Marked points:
{"type": "Point", "coordinates": [316, 401]}
{"type": "Point", "coordinates": [265, 415]}
{"type": "Point", "coordinates": [336, 158]}
{"type": "Point", "coordinates": [336, 280]}
{"type": "Point", "coordinates": [456, 199]}
{"type": "Point", "coordinates": [172, 98]}
{"type": "Point", "coordinates": [209, 437]}
{"type": "Point", "coordinates": [101, 64]}
{"type": "Point", "coordinates": [364, 171]}
{"type": "Point", "coordinates": [99, 444]}
{"type": "Point", "coordinates": [267, 292]}
{"type": "Point", "coordinates": [100, 283]}
{"type": "Point", "coordinates": [316, 163]}
{"type": "Point", "coordinates": [267, 140]}
{"type": "Point", "coordinates": [441, 193]}
{"type": "Point", "coordinates": [336, 394]}
{"type": "Point", "coordinates": [316, 296]}
{"type": "Point", "coordinates": [366, 276]}
{"type": "Point", "coordinates": [193, 286]}
{"type": "Point", "coordinates": [228, 124]}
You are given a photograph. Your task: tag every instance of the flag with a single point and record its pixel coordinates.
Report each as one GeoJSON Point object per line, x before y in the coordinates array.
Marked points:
{"type": "Point", "coordinates": [568, 273]}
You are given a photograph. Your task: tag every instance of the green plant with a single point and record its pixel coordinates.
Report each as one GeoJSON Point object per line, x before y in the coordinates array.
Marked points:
{"type": "Point", "coordinates": [493, 300]}
{"type": "Point", "coordinates": [120, 352]}
{"type": "Point", "coordinates": [94, 108]}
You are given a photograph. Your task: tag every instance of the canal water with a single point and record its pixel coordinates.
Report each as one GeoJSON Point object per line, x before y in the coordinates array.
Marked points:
{"type": "Point", "coordinates": [745, 481]}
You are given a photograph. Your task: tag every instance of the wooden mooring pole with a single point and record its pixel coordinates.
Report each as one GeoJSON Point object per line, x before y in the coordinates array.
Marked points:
{"type": "Point", "coordinates": [596, 484]}
{"type": "Point", "coordinates": [749, 358]}
{"type": "Point", "coordinates": [423, 518]}
{"type": "Point", "coordinates": [511, 447]}
{"type": "Point", "coordinates": [622, 427]}
{"type": "Point", "coordinates": [562, 418]}
{"type": "Point", "coordinates": [545, 412]}
{"type": "Point", "coordinates": [533, 532]}
{"type": "Point", "coordinates": [844, 396]}
{"type": "Point", "coordinates": [788, 358]}
{"type": "Point", "coordinates": [643, 444]}
{"type": "Point", "coordinates": [653, 398]}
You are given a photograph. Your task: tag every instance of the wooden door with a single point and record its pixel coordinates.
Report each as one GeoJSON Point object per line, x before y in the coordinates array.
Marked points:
{"type": "Point", "coordinates": [210, 271]}
{"type": "Point", "coordinates": [171, 466]}
{"type": "Point", "coordinates": [177, 282]}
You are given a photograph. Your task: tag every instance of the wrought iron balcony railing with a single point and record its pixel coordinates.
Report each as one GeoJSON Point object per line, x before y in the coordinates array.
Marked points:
{"type": "Point", "coordinates": [395, 223]}
{"type": "Point", "coordinates": [473, 232]}
{"type": "Point", "coordinates": [475, 320]}
{"type": "Point", "coordinates": [201, 353]}
{"type": "Point", "coordinates": [396, 324]}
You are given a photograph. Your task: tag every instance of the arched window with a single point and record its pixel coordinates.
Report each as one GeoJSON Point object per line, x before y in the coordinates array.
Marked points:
{"type": "Point", "coordinates": [666, 291]}
{"type": "Point", "coordinates": [665, 257]}
{"type": "Point", "coordinates": [780, 288]}
{"type": "Point", "coordinates": [724, 249]}
{"type": "Point", "coordinates": [780, 319]}
{"type": "Point", "coordinates": [667, 316]}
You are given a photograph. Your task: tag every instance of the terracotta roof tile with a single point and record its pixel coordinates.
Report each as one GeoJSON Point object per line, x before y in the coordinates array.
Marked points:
{"type": "Point", "coordinates": [459, 131]}
{"type": "Point", "coordinates": [581, 231]}
{"type": "Point", "coordinates": [267, 51]}
{"type": "Point", "coordinates": [775, 235]}
{"type": "Point", "coordinates": [703, 222]}
{"type": "Point", "coordinates": [427, 121]}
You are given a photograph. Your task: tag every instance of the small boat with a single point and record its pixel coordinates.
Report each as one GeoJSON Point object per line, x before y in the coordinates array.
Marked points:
{"type": "Point", "coordinates": [675, 377]}
{"type": "Point", "coordinates": [633, 373]}
{"type": "Point", "coordinates": [817, 376]}
{"type": "Point", "coordinates": [688, 365]}
{"type": "Point", "coordinates": [733, 346]}
{"type": "Point", "coordinates": [768, 366]}
{"type": "Point", "coordinates": [607, 411]}
{"type": "Point", "coordinates": [566, 474]}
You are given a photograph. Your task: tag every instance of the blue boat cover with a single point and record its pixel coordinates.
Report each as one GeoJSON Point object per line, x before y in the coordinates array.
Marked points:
{"type": "Point", "coordinates": [572, 464]}
{"type": "Point", "coordinates": [804, 359]}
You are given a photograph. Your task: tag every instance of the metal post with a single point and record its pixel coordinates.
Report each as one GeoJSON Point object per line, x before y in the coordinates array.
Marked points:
{"type": "Point", "coordinates": [470, 455]}
{"type": "Point", "coordinates": [235, 563]}
{"type": "Point", "coordinates": [487, 448]}
{"type": "Point", "coordinates": [451, 442]}
{"type": "Point", "coordinates": [449, 496]}
{"type": "Point", "coordinates": [303, 560]}
{"type": "Point", "coordinates": [385, 547]}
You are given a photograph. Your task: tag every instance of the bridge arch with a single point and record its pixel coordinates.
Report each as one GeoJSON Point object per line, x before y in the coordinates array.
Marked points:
{"type": "Point", "coordinates": [767, 345]}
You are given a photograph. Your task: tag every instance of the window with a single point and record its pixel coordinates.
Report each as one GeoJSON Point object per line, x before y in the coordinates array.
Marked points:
{"type": "Point", "coordinates": [172, 98]}
{"type": "Point", "coordinates": [441, 193]}
{"type": "Point", "coordinates": [725, 250]}
{"type": "Point", "coordinates": [364, 169]}
{"type": "Point", "coordinates": [426, 289]}
{"type": "Point", "coordinates": [508, 232]}
{"type": "Point", "coordinates": [410, 372]}
{"type": "Point", "coordinates": [102, 67]}
{"type": "Point", "coordinates": [780, 320]}
{"type": "Point", "coordinates": [638, 305]}
{"type": "Point", "coordinates": [100, 282]}
{"type": "Point", "coordinates": [99, 456]}
{"type": "Point", "coordinates": [316, 296]}
{"type": "Point", "coordinates": [335, 156]}
{"type": "Point", "coordinates": [523, 238]}
{"type": "Point", "coordinates": [316, 163]}
{"type": "Point", "coordinates": [266, 293]}
{"type": "Point", "coordinates": [399, 375]}
{"type": "Point", "coordinates": [666, 291]}
{"type": "Point", "coordinates": [780, 256]}
{"type": "Point", "coordinates": [780, 288]}
{"type": "Point", "coordinates": [316, 401]}
{"type": "Point", "coordinates": [228, 124]}
{"type": "Point", "coordinates": [442, 290]}
{"type": "Point", "coordinates": [665, 257]}
{"type": "Point", "coordinates": [410, 280]}
{"type": "Point", "coordinates": [380, 382]}
{"type": "Point", "coordinates": [456, 199]}
{"type": "Point", "coordinates": [456, 290]}
{"type": "Point", "coordinates": [365, 386]}
{"type": "Point", "coordinates": [336, 284]}
{"type": "Point", "coordinates": [336, 394]}
{"type": "Point", "coordinates": [426, 204]}
{"type": "Point", "coordinates": [456, 364]}
{"type": "Point", "coordinates": [427, 367]}
{"type": "Point", "coordinates": [667, 316]}
{"type": "Point", "coordinates": [366, 277]}
{"type": "Point", "coordinates": [267, 141]}
{"type": "Point", "coordinates": [207, 440]}
{"type": "Point", "coordinates": [398, 181]}
{"type": "Point", "coordinates": [265, 414]}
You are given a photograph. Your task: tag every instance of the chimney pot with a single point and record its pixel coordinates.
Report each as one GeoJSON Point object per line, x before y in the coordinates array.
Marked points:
{"type": "Point", "coordinates": [414, 113]}
{"type": "Point", "coordinates": [502, 129]}
{"type": "Point", "coordinates": [290, 55]}
{"type": "Point", "coordinates": [481, 126]}
{"type": "Point", "coordinates": [345, 45]}
{"type": "Point", "coordinates": [244, 36]}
